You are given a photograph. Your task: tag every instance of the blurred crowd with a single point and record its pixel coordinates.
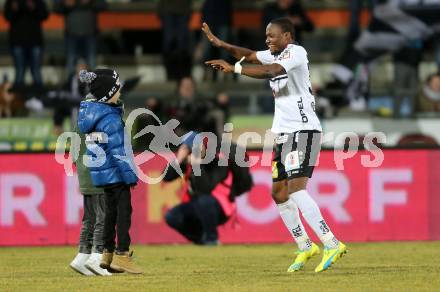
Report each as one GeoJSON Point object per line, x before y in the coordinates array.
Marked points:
{"type": "Point", "coordinates": [182, 48]}
{"type": "Point", "coordinates": [194, 113]}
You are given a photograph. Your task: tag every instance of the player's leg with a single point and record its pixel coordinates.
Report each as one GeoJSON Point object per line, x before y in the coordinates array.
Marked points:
{"type": "Point", "coordinates": [98, 203]}
{"type": "Point", "coordinates": [333, 249]}
{"type": "Point", "coordinates": [310, 211]}
{"type": "Point", "coordinates": [85, 240]}
{"type": "Point", "coordinates": [289, 213]}
{"type": "Point", "coordinates": [299, 164]}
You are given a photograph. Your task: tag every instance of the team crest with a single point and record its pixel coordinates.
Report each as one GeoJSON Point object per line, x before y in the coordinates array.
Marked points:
{"type": "Point", "coordinates": [284, 55]}
{"type": "Point", "coordinates": [292, 161]}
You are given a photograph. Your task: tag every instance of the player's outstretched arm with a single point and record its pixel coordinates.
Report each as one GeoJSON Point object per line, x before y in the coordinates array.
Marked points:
{"type": "Point", "coordinates": [235, 51]}
{"type": "Point", "coordinates": [258, 72]}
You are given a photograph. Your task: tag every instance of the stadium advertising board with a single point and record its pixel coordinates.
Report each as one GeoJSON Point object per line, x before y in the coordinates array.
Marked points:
{"type": "Point", "coordinates": [41, 205]}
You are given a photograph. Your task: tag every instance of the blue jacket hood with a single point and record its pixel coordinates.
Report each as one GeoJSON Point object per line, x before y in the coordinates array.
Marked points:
{"type": "Point", "coordinates": [91, 112]}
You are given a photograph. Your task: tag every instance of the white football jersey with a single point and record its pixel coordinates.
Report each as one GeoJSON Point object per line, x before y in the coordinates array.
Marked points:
{"type": "Point", "coordinates": [294, 102]}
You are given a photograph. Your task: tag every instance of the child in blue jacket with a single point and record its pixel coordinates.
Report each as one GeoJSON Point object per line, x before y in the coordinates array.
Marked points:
{"type": "Point", "coordinates": [110, 164]}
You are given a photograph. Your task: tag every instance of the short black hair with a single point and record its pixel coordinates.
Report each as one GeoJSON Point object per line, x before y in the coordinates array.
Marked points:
{"type": "Point", "coordinates": [285, 24]}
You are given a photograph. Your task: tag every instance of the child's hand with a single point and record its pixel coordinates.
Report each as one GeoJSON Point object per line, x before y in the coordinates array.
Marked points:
{"type": "Point", "coordinates": [220, 65]}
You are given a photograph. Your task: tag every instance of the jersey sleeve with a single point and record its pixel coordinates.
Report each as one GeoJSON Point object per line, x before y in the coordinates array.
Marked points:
{"type": "Point", "coordinates": [265, 57]}
{"type": "Point", "coordinates": [292, 57]}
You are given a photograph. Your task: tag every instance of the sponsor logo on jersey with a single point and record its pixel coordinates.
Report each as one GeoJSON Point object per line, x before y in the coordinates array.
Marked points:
{"type": "Point", "coordinates": [301, 111]}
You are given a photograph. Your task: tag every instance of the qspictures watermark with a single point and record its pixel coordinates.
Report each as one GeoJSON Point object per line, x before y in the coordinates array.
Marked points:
{"type": "Point", "coordinates": [206, 145]}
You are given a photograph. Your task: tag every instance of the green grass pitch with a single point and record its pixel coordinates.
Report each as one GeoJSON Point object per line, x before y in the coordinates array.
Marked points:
{"type": "Point", "coordinates": [406, 266]}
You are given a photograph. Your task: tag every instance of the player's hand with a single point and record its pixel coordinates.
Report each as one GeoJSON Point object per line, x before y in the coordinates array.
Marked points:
{"type": "Point", "coordinates": [215, 41]}
{"type": "Point", "coordinates": [221, 65]}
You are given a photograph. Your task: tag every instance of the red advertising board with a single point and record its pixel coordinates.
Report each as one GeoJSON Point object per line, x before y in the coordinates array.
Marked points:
{"type": "Point", "coordinates": [41, 205]}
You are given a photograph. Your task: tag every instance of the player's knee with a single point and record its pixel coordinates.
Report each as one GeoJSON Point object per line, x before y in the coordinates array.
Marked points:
{"type": "Point", "coordinates": [297, 184]}
{"type": "Point", "coordinates": [279, 198]}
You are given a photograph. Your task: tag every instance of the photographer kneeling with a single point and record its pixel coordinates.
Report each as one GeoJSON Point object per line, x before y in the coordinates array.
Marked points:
{"type": "Point", "coordinates": [208, 198]}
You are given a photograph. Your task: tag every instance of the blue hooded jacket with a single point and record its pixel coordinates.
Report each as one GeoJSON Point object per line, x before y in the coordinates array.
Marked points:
{"type": "Point", "coordinates": [113, 163]}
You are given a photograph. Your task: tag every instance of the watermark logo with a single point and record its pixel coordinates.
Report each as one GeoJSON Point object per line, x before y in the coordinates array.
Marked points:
{"type": "Point", "coordinates": [296, 150]}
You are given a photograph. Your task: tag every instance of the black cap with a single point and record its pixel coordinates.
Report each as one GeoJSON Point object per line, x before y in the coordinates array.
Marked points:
{"type": "Point", "coordinates": [104, 83]}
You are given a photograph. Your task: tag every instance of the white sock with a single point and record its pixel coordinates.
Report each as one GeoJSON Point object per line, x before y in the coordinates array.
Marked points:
{"type": "Point", "coordinates": [290, 215]}
{"type": "Point", "coordinates": [313, 217]}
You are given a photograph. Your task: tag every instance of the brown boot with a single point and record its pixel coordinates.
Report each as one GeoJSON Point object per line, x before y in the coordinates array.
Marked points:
{"type": "Point", "coordinates": [124, 262]}
{"type": "Point", "coordinates": [106, 260]}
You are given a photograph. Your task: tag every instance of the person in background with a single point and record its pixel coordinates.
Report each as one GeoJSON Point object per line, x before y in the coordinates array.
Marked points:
{"type": "Point", "coordinates": [354, 27]}
{"type": "Point", "coordinates": [157, 108]}
{"type": "Point", "coordinates": [66, 100]}
{"type": "Point", "coordinates": [323, 105]}
{"type": "Point", "coordinates": [429, 98]}
{"type": "Point", "coordinates": [81, 30]}
{"type": "Point", "coordinates": [406, 78]}
{"type": "Point", "coordinates": [91, 238]}
{"type": "Point", "coordinates": [189, 110]}
{"type": "Point", "coordinates": [292, 9]}
{"type": "Point", "coordinates": [437, 50]}
{"type": "Point", "coordinates": [10, 104]}
{"type": "Point", "coordinates": [219, 113]}
{"type": "Point", "coordinates": [25, 37]}
{"type": "Point", "coordinates": [208, 199]}
{"type": "Point", "coordinates": [219, 15]}
{"type": "Point", "coordinates": [175, 16]}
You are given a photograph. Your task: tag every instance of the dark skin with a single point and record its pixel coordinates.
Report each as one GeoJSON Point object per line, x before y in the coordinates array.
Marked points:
{"type": "Point", "coordinates": [277, 41]}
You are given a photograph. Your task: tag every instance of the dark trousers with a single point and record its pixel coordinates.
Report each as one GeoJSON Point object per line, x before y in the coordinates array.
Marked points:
{"type": "Point", "coordinates": [27, 57]}
{"type": "Point", "coordinates": [175, 30]}
{"type": "Point", "coordinates": [92, 228]}
{"type": "Point", "coordinates": [80, 46]}
{"type": "Point", "coordinates": [197, 220]}
{"type": "Point", "coordinates": [117, 218]}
